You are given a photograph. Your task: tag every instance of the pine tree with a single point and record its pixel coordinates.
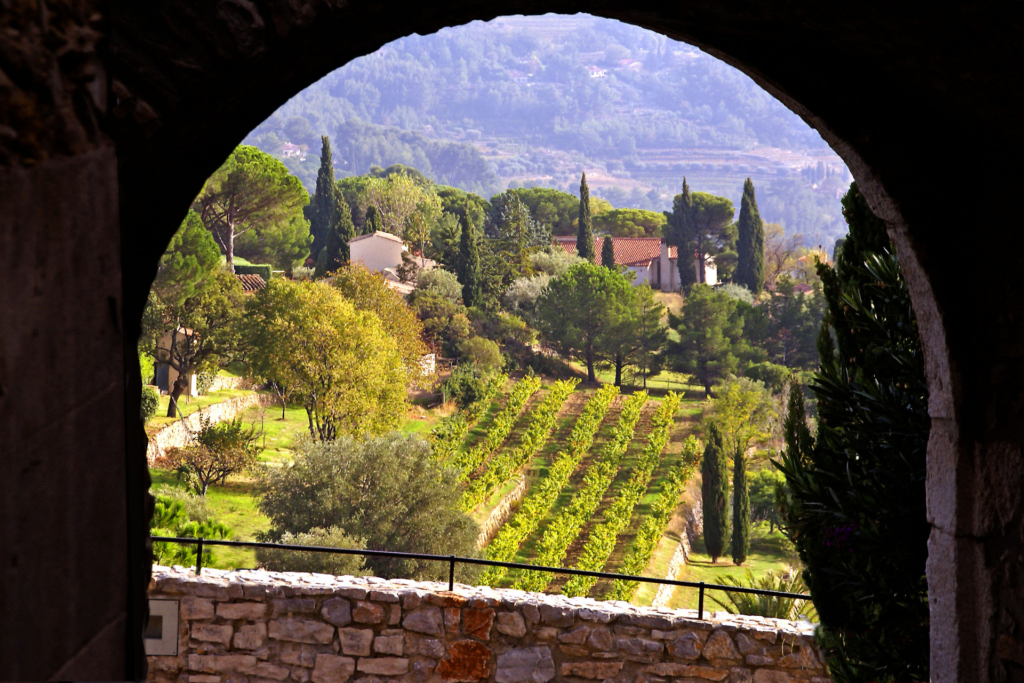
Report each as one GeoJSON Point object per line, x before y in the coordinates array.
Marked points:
{"type": "Point", "coordinates": [468, 266]}
{"type": "Point", "coordinates": [585, 230]}
{"type": "Point", "coordinates": [715, 494]}
{"type": "Point", "coordinates": [750, 246]}
{"type": "Point", "coordinates": [608, 253]}
{"type": "Point", "coordinates": [328, 209]}
{"type": "Point", "coordinates": [372, 223]}
{"type": "Point", "coordinates": [681, 236]}
{"type": "Point", "coordinates": [740, 510]}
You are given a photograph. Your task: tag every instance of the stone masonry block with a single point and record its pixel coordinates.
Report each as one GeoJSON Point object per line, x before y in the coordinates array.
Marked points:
{"type": "Point", "coordinates": [384, 666]}
{"type": "Point", "coordinates": [250, 637]}
{"type": "Point", "coordinates": [466, 660]}
{"type": "Point", "coordinates": [427, 620]}
{"type": "Point", "coordinates": [367, 613]}
{"type": "Point", "coordinates": [250, 611]}
{"type": "Point", "coordinates": [525, 665]}
{"type": "Point", "coordinates": [301, 631]}
{"type": "Point", "coordinates": [212, 633]}
{"type": "Point", "coordinates": [337, 611]}
{"type": "Point", "coordinates": [333, 669]}
{"type": "Point", "coordinates": [355, 641]}
{"type": "Point", "coordinates": [511, 624]}
{"type": "Point", "coordinates": [591, 670]}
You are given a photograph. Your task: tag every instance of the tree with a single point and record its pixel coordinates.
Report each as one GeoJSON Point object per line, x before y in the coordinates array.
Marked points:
{"type": "Point", "coordinates": [740, 509]}
{"type": "Point", "coordinates": [679, 223]}
{"type": "Point", "coordinates": [857, 489]}
{"type": "Point", "coordinates": [785, 325]}
{"type": "Point", "coordinates": [515, 230]}
{"type": "Point", "coordinates": [251, 191]}
{"type": "Point", "coordinates": [189, 260]}
{"type": "Point", "coordinates": [607, 253]}
{"type": "Point", "coordinates": [556, 209]}
{"type": "Point", "coordinates": [581, 311]}
{"type": "Point", "coordinates": [215, 451]}
{"type": "Point", "coordinates": [368, 291]}
{"type": "Point", "coordinates": [341, 362]}
{"type": "Point", "coordinates": [714, 234]}
{"type": "Point", "coordinates": [629, 222]}
{"type": "Point", "coordinates": [283, 245]}
{"type": "Point", "coordinates": [190, 335]}
{"type": "Point", "coordinates": [585, 228]}
{"type": "Point", "coordinates": [750, 243]}
{"type": "Point", "coordinates": [372, 223]}
{"type": "Point", "coordinates": [764, 505]}
{"type": "Point", "coordinates": [335, 253]}
{"type": "Point", "coordinates": [405, 206]}
{"type": "Point", "coordinates": [744, 411]}
{"type": "Point", "coordinates": [386, 490]}
{"type": "Point", "coordinates": [710, 332]}
{"type": "Point", "coordinates": [468, 267]}
{"type": "Point", "coordinates": [714, 491]}
{"type": "Point", "coordinates": [328, 206]}
{"type": "Point", "coordinates": [780, 252]}
{"type": "Point", "coordinates": [638, 336]}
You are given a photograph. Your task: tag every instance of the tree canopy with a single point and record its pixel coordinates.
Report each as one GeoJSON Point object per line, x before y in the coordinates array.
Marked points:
{"type": "Point", "coordinates": [190, 258]}
{"type": "Point", "coordinates": [629, 223]}
{"type": "Point", "coordinates": [710, 336]}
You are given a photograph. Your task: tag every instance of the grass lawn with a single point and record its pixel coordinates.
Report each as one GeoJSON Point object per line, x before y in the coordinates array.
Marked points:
{"type": "Point", "coordinates": [767, 553]}
{"type": "Point", "coordinates": [159, 421]}
{"type": "Point", "coordinates": [233, 504]}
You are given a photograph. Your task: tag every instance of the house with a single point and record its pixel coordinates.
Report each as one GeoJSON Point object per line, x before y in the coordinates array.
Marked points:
{"type": "Point", "coordinates": [166, 376]}
{"type": "Point", "coordinates": [596, 72]}
{"type": "Point", "coordinates": [651, 260]}
{"type": "Point", "coordinates": [289, 150]}
{"type": "Point", "coordinates": [381, 252]}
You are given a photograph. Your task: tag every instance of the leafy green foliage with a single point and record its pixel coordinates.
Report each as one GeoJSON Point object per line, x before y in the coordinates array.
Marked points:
{"type": "Point", "coordinates": [766, 605]}
{"type": "Point", "coordinates": [607, 253]}
{"type": "Point", "coordinates": [204, 380]}
{"type": "Point", "coordinates": [171, 519]}
{"type": "Point", "coordinates": [503, 466]}
{"type": "Point", "coordinates": [468, 265]}
{"type": "Point", "coordinates": [566, 527]}
{"type": "Point", "coordinates": [474, 397]}
{"type": "Point", "coordinates": [385, 489]}
{"type": "Point", "coordinates": [585, 227]}
{"type": "Point", "coordinates": [514, 230]}
{"type": "Point", "coordinates": [750, 243]}
{"type": "Point", "coordinates": [629, 223]}
{"type": "Point", "coordinates": [601, 541]}
{"type": "Point", "coordinates": [466, 462]}
{"type": "Point", "coordinates": [785, 325]}
{"type": "Point", "coordinates": [654, 525]}
{"type": "Point", "coordinates": [150, 403]}
{"type": "Point", "coordinates": [701, 223]}
{"type": "Point", "coordinates": [483, 353]}
{"type": "Point", "coordinates": [710, 332]}
{"type": "Point", "coordinates": [215, 452]}
{"type": "Point", "coordinates": [715, 494]}
{"type": "Point", "coordinates": [542, 498]}
{"type": "Point", "coordinates": [187, 262]}
{"type": "Point", "coordinates": [335, 564]}
{"type": "Point", "coordinates": [264, 270]}
{"type": "Point", "coordinates": [856, 508]}
{"type": "Point", "coordinates": [330, 220]}
{"type": "Point", "coordinates": [744, 412]}
{"type": "Point", "coordinates": [740, 509]}
{"type": "Point", "coordinates": [766, 485]}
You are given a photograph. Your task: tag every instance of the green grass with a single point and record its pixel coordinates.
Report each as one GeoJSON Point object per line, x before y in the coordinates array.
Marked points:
{"type": "Point", "coordinates": [159, 421]}
{"type": "Point", "coordinates": [658, 567]}
{"type": "Point", "coordinates": [233, 504]}
{"type": "Point", "coordinates": [767, 553]}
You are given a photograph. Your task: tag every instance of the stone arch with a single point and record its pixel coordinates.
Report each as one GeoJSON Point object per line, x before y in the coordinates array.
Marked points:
{"type": "Point", "coordinates": [909, 100]}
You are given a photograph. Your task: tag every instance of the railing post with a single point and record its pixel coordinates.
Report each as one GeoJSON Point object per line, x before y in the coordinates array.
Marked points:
{"type": "Point", "coordinates": [451, 573]}
{"type": "Point", "coordinates": [700, 602]}
{"type": "Point", "coordinates": [199, 557]}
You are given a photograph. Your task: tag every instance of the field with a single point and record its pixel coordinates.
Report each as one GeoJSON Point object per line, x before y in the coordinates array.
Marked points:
{"type": "Point", "coordinates": [235, 503]}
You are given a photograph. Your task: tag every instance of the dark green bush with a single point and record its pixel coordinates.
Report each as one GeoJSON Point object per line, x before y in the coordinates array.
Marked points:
{"type": "Point", "coordinates": [466, 385]}
{"type": "Point", "coordinates": [320, 563]}
{"type": "Point", "coordinates": [264, 270]}
{"type": "Point", "coordinates": [775, 377]}
{"type": "Point", "coordinates": [150, 403]}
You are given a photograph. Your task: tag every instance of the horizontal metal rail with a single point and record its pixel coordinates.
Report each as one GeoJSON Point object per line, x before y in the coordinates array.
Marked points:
{"type": "Point", "coordinates": [452, 560]}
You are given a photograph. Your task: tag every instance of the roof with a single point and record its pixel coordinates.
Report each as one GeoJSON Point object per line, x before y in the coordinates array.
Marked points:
{"type": "Point", "coordinates": [378, 233]}
{"type": "Point", "coordinates": [629, 251]}
{"type": "Point", "coordinates": [251, 283]}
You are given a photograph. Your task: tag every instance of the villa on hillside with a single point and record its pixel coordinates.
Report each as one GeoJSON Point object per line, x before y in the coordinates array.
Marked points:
{"type": "Point", "coordinates": [381, 252]}
{"type": "Point", "coordinates": [651, 260]}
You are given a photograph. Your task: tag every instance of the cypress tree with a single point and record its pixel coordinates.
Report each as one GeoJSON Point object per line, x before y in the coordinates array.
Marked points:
{"type": "Point", "coordinates": [335, 253]}
{"type": "Point", "coordinates": [750, 244]}
{"type": "Point", "coordinates": [608, 253]}
{"type": "Point", "coordinates": [714, 491]}
{"type": "Point", "coordinates": [585, 230]}
{"type": "Point", "coordinates": [740, 510]}
{"type": "Point", "coordinates": [372, 223]}
{"type": "Point", "coordinates": [681, 235]}
{"type": "Point", "coordinates": [468, 266]}
{"type": "Point", "coordinates": [328, 208]}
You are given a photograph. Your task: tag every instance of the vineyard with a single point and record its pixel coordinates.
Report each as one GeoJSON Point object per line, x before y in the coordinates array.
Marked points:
{"type": "Point", "coordinates": [605, 474]}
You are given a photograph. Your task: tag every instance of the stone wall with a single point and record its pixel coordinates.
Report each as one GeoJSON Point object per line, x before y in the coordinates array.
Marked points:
{"type": "Point", "coordinates": [176, 434]}
{"type": "Point", "coordinates": [501, 513]}
{"type": "Point", "coordinates": [225, 382]}
{"type": "Point", "coordinates": [250, 626]}
{"type": "Point", "coordinates": [675, 565]}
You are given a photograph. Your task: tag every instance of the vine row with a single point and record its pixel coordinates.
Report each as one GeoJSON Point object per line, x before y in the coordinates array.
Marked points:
{"type": "Point", "coordinates": [555, 542]}
{"type": "Point", "coordinates": [505, 464]}
{"type": "Point", "coordinates": [505, 545]}
{"type": "Point", "coordinates": [601, 542]}
{"type": "Point", "coordinates": [653, 527]}
{"type": "Point", "coordinates": [467, 461]}
{"type": "Point", "coordinates": [446, 438]}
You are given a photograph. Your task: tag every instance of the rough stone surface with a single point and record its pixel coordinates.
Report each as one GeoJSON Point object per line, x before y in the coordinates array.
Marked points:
{"type": "Point", "coordinates": [471, 635]}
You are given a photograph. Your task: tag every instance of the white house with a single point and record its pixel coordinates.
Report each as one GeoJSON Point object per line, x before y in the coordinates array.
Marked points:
{"type": "Point", "coordinates": [381, 252]}
{"type": "Point", "coordinates": [651, 260]}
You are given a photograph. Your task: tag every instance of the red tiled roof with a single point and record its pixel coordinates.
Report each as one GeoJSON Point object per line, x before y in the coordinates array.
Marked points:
{"type": "Point", "coordinates": [629, 251]}
{"type": "Point", "coordinates": [251, 283]}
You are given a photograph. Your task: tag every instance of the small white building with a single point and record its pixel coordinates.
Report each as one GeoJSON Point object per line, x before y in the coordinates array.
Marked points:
{"type": "Point", "coordinates": [381, 252]}
{"type": "Point", "coordinates": [651, 260]}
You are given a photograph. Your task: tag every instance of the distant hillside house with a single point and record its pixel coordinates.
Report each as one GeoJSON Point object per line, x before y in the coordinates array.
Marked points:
{"type": "Point", "coordinates": [651, 260]}
{"type": "Point", "coordinates": [289, 150]}
{"type": "Point", "coordinates": [596, 72]}
{"type": "Point", "coordinates": [381, 252]}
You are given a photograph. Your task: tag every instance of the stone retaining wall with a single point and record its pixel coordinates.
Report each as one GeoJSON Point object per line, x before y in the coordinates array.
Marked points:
{"type": "Point", "coordinates": [675, 565]}
{"type": "Point", "coordinates": [176, 434]}
{"type": "Point", "coordinates": [225, 382]}
{"type": "Point", "coordinates": [500, 514]}
{"type": "Point", "coordinates": [256, 626]}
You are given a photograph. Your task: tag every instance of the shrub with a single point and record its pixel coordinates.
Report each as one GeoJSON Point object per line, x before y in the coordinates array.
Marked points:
{"type": "Point", "coordinates": [302, 273]}
{"type": "Point", "coordinates": [438, 282]}
{"type": "Point", "coordinates": [553, 261]}
{"type": "Point", "coordinates": [264, 270]}
{"type": "Point", "coordinates": [766, 605]}
{"type": "Point", "coordinates": [320, 563]}
{"type": "Point", "coordinates": [215, 452]}
{"type": "Point", "coordinates": [195, 506]}
{"type": "Point", "coordinates": [482, 353]}
{"type": "Point", "coordinates": [146, 368]}
{"type": "Point", "coordinates": [774, 377]}
{"type": "Point", "coordinates": [170, 518]}
{"type": "Point", "coordinates": [150, 403]}
{"type": "Point", "coordinates": [204, 380]}
{"type": "Point", "coordinates": [466, 385]}
{"type": "Point", "coordinates": [738, 292]}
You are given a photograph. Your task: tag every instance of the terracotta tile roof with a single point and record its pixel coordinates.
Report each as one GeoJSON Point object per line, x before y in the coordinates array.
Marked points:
{"type": "Point", "coordinates": [629, 251]}
{"type": "Point", "coordinates": [251, 283]}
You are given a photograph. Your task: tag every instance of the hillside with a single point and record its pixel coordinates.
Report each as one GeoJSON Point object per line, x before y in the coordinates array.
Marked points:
{"type": "Point", "coordinates": [533, 101]}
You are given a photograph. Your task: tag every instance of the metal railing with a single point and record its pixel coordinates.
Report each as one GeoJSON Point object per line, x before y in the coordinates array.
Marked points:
{"type": "Point", "coordinates": [452, 560]}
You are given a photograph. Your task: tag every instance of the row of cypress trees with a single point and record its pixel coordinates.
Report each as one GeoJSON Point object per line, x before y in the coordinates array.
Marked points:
{"type": "Point", "coordinates": [715, 495]}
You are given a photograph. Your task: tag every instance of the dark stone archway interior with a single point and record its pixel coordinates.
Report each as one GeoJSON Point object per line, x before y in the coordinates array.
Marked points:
{"type": "Point", "coordinates": [113, 114]}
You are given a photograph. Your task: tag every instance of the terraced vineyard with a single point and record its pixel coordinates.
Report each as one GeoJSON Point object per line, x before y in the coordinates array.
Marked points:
{"type": "Point", "coordinates": [603, 472]}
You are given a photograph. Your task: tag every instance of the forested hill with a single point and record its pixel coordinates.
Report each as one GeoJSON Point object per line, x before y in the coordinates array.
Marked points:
{"type": "Point", "coordinates": [533, 101]}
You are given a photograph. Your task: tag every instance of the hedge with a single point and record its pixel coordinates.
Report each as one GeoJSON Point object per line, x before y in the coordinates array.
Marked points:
{"type": "Point", "coordinates": [264, 270]}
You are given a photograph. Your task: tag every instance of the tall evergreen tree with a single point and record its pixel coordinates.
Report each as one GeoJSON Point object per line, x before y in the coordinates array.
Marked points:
{"type": "Point", "coordinates": [680, 234]}
{"type": "Point", "coordinates": [324, 211]}
{"type": "Point", "coordinates": [750, 246]}
{"type": "Point", "coordinates": [468, 267]}
{"type": "Point", "coordinates": [585, 229]}
{"type": "Point", "coordinates": [372, 223]}
{"type": "Point", "coordinates": [608, 253]}
{"type": "Point", "coordinates": [335, 253]}
{"type": "Point", "coordinates": [857, 490]}
{"type": "Point", "coordinates": [740, 509]}
{"type": "Point", "coordinates": [714, 491]}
